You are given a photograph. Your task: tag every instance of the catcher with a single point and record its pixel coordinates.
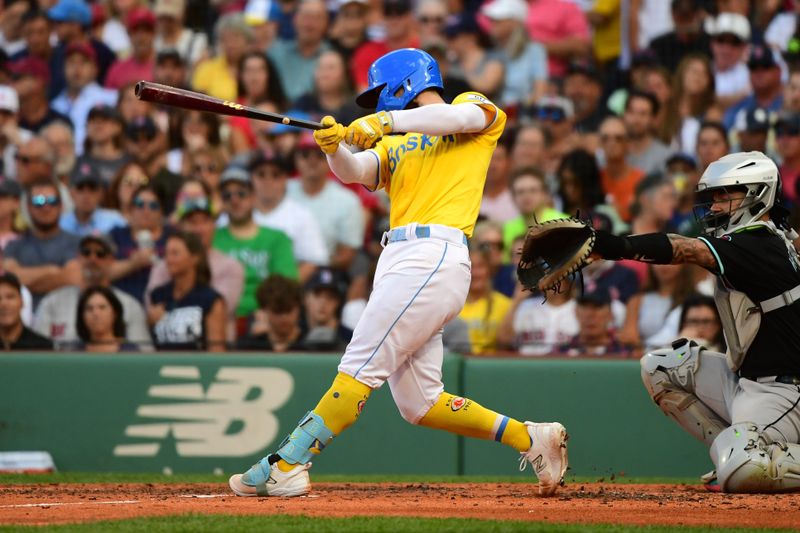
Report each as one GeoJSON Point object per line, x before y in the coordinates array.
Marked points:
{"type": "Point", "coordinates": [742, 404]}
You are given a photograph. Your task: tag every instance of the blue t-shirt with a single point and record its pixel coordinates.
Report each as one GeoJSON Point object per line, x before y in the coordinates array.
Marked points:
{"type": "Point", "coordinates": [183, 325]}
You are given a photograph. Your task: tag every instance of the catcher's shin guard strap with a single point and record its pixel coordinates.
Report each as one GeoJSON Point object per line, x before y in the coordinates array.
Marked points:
{"type": "Point", "coordinates": [310, 431]}
{"type": "Point", "coordinates": [648, 248]}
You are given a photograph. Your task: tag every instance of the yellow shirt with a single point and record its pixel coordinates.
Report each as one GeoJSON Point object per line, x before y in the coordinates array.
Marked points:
{"type": "Point", "coordinates": [213, 78]}
{"type": "Point", "coordinates": [439, 180]}
{"type": "Point", "coordinates": [607, 39]}
{"type": "Point", "coordinates": [483, 318]}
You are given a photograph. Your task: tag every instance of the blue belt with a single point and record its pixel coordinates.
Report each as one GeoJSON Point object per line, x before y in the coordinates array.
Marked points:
{"type": "Point", "coordinates": [422, 232]}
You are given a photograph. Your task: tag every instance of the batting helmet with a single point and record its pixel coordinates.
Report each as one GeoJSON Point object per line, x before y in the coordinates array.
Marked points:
{"type": "Point", "coordinates": [398, 77]}
{"type": "Point", "coordinates": [752, 172]}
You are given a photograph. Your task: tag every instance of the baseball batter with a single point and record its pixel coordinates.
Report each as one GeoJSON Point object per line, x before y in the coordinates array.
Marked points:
{"type": "Point", "coordinates": [433, 169]}
{"type": "Point", "coordinates": [743, 404]}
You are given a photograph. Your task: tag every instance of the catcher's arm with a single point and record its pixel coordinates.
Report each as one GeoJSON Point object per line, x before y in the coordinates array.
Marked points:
{"type": "Point", "coordinates": [690, 250]}
{"type": "Point", "coordinates": [658, 248]}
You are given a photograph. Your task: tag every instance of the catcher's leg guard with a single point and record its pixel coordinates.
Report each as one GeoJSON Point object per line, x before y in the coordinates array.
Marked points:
{"type": "Point", "coordinates": [669, 376]}
{"type": "Point", "coordinates": [745, 464]}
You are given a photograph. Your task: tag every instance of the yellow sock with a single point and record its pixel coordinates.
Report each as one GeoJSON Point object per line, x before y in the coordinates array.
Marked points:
{"type": "Point", "coordinates": [339, 407]}
{"type": "Point", "coordinates": [465, 417]}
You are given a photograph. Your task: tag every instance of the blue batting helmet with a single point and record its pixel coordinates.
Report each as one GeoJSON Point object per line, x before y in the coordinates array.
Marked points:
{"type": "Point", "coordinates": [398, 77]}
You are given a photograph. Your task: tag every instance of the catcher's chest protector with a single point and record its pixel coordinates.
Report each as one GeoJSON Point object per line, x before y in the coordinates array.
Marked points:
{"type": "Point", "coordinates": [740, 319]}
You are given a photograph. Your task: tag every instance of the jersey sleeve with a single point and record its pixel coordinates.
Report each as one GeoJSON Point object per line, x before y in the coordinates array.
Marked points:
{"type": "Point", "coordinates": [493, 130]}
{"type": "Point", "coordinates": [380, 152]}
{"type": "Point", "coordinates": [737, 259]}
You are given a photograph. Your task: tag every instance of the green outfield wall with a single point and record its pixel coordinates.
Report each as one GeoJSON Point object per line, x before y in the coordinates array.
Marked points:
{"type": "Point", "coordinates": [207, 413]}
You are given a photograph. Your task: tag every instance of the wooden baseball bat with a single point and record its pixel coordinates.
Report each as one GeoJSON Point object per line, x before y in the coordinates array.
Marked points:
{"type": "Point", "coordinates": [172, 96]}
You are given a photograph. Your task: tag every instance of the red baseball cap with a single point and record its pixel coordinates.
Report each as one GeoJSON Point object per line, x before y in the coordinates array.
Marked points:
{"type": "Point", "coordinates": [85, 49]}
{"type": "Point", "coordinates": [140, 17]}
{"type": "Point", "coordinates": [306, 141]}
{"type": "Point", "coordinates": [30, 66]}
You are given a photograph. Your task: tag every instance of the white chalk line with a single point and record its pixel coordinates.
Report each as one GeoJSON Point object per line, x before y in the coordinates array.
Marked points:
{"type": "Point", "coordinates": [60, 504]}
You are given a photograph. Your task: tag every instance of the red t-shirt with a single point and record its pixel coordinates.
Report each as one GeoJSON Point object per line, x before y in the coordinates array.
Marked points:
{"type": "Point", "coordinates": [365, 55]}
{"type": "Point", "coordinates": [129, 70]}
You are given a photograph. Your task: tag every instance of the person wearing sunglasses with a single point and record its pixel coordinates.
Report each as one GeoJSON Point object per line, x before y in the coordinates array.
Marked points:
{"type": "Point", "coordinates": [87, 190]}
{"type": "Point", "coordinates": [95, 258]}
{"type": "Point", "coordinates": [557, 117]}
{"type": "Point", "coordinates": [730, 34]}
{"type": "Point", "coordinates": [261, 251]}
{"type": "Point", "coordinates": [42, 257]}
{"type": "Point", "coordinates": [787, 134]}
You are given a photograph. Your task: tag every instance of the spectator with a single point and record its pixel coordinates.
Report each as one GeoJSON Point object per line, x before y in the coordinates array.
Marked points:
{"type": "Point", "coordinates": [618, 177]}
{"type": "Point", "coordinates": [712, 143]}
{"type": "Point", "coordinates": [263, 16]}
{"type": "Point", "coordinates": [120, 193]}
{"type": "Point", "coordinates": [488, 239]}
{"type": "Point", "coordinates": [332, 93]}
{"type": "Point", "coordinates": [11, 136]}
{"type": "Point", "coordinates": [170, 68]}
{"type": "Point", "coordinates": [192, 131]}
{"type": "Point", "coordinates": [700, 322]}
{"type": "Point", "coordinates": [525, 61]}
{"type": "Point", "coordinates": [693, 99]}
{"type": "Point", "coordinates": [431, 17]}
{"type": "Point", "coordinates": [534, 327]}
{"type": "Point", "coordinates": [497, 203]}
{"type": "Point", "coordinates": [666, 288]}
{"type": "Point", "coordinates": [787, 132]}
{"type": "Point", "coordinates": [36, 31]}
{"type": "Point", "coordinates": [468, 46]}
{"type": "Point", "coordinates": [186, 313]}
{"type": "Point", "coordinates": [324, 297]}
{"type": "Point", "coordinates": [71, 20]}
{"type": "Point", "coordinates": [791, 95]}
{"type": "Point", "coordinates": [579, 183]}
{"type": "Point", "coordinates": [196, 215]}
{"type": "Point", "coordinates": [206, 165]}
{"type": "Point", "coordinates": [556, 115]}
{"type": "Point", "coordinates": [752, 129]}
{"type": "Point", "coordinates": [34, 160]}
{"type": "Point", "coordinates": [687, 38]}
{"type": "Point", "coordinates": [139, 244]}
{"type": "Point", "coordinates": [349, 30]}
{"type": "Point", "coordinates": [11, 224]}
{"type": "Point", "coordinates": [621, 283]}
{"type": "Point", "coordinates": [645, 151]}
{"type": "Point", "coordinates": [141, 24]}
{"type": "Point", "coordinates": [31, 77]}
{"type": "Point", "coordinates": [765, 79]}
{"type": "Point", "coordinates": [730, 34]}
{"type": "Point", "coordinates": [608, 40]}
{"type": "Point", "coordinates": [783, 27]}
{"type": "Point", "coordinates": [104, 147]}
{"type": "Point", "coordinates": [280, 299]}
{"type": "Point", "coordinates": [337, 210]}
{"type": "Point", "coordinates": [13, 333]}
{"type": "Point", "coordinates": [82, 92]}
{"type": "Point", "coordinates": [529, 147]}
{"type": "Point", "coordinates": [147, 146]}
{"type": "Point", "coordinates": [529, 190]}
{"type": "Point", "coordinates": [261, 251]}
{"type": "Point", "coordinates": [100, 322]}
{"type": "Point", "coordinates": [11, 36]}
{"type": "Point", "coordinates": [87, 190]}
{"type": "Point", "coordinates": [94, 258]}
{"type": "Point", "coordinates": [171, 33]}
{"type": "Point", "coordinates": [42, 257]}
{"type": "Point", "coordinates": [216, 76]}
{"type": "Point", "coordinates": [485, 308]}
{"type": "Point", "coordinates": [584, 88]}
{"type": "Point", "coordinates": [682, 171]}
{"type": "Point", "coordinates": [131, 108]}
{"type": "Point", "coordinates": [296, 59]}
{"type": "Point", "coordinates": [595, 328]}
{"type": "Point", "coordinates": [655, 204]}
{"type": "Point", "coordinates": [113, 17]}
{"type": "Point", "coordinates": [658, 82]}
{"type": "Point", "coordinates": [57, 138]}
{"type": "Point", "coordinates": [562, 29]}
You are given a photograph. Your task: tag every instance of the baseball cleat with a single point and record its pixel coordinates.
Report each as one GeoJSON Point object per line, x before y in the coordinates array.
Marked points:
{"type": "Point", "coordinates": [547, 455]}
{"type": "Point", "coordinates": [264, 479]}
{"type": "Point", "coordinates": [710, 482]}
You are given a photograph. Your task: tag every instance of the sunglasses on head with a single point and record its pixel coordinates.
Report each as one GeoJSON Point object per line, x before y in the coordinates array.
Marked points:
{"type": "Point", "coordinates": [227, 196]}
{"type": "Point", "coordinates": [99, 253]}
{"type": "Point", "coordinates": [550, 113]}
{"type": "Point", "coordinates": [152, 205]}
{"type": "Point", "coordinates": [41, 200]}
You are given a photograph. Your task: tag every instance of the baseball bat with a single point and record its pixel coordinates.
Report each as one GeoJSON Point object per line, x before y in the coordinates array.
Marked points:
{"type": "Point", "coordinates": [172, 96]}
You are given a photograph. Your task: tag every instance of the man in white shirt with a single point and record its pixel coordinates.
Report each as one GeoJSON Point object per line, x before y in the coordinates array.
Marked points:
{"type": "Point", "coordinates": [730, 33]}
{"type": "Point", "coordinates": [535, 327]}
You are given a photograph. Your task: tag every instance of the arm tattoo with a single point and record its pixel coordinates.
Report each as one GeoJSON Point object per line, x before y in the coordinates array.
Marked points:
{"type": "Point", "coordinates": [690, 250]}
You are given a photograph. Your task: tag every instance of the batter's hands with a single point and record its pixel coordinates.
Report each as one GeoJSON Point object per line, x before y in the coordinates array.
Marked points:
{"type": "Point", "coordinates": [364, 132]}
{"type": "Point", "coordinates": [330, 136]}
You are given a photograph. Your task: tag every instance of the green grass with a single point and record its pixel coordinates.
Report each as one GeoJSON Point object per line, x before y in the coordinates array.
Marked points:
{"type": "Point", "coordinates": [284, 523]}
{"type": "Point", "coordinates": [144, 477]}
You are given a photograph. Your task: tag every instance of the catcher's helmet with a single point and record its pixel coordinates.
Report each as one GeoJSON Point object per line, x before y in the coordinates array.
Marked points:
{"type": "Point", "coordinates": [398, 77]}
{"type": "Point", "coordinates": [752, 172]}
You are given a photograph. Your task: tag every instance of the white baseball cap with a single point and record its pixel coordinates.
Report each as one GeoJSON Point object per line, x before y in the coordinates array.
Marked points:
{"type": "Point", "coordinates": [559, 102]}
{"type": "Point", "coordinates": [506, 9]}
{"type": "Point", "coordinates": [732, 23]}
{"type": "Point", "coordinates": [9, 101]}
{"type": "Point", "coordinates": [341, 3]}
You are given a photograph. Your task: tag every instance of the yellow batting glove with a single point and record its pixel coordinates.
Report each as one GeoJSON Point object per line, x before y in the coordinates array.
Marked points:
{"type": "Point", "coordinates": [364, 132]}
{"type": "Point", "coordinates": [330, 136]}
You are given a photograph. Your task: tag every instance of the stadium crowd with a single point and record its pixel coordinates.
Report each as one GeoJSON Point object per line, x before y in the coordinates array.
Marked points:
{"type": "Point", "coordinates": [125, 226]}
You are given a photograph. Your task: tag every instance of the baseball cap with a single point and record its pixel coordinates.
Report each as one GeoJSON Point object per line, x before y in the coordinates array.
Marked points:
{"type": "Point", "coordinates": [598, 297]}
{"type": "Point", "coordinates": [257, 12]}
{"type": "Point", "coordinates": [396, 7]}
{"type": "Point", "coordinates": [681, 157]}
{"type": "Point", "coordinates": [85, 173]}
{"type": "Point", "coordinates": [85, 49]}
{"type": "Point", "coordinates": [170, 8]}
{"type": "Point", "coordinates": [264, 157]}
{"type": "Point", "coordinates": [142, 126]}
{"type": "Point", "coordinates": [105, 111]}
{"type": "Point", "coordinates": [328, 278]}
{"type": "Point", "coordinates": [100, 238]}
{"type": "Point", "coordinates": [306, 141]}
{"type": "Point", "coordinates": [586, 68]}
{"type": "Point", "coordinates": [730, 23]}
{"type": "Point", "coordinates": [9, 101]}
{"type": "Point", "coordinates": [10, 188]}
{"type": "Point", "coordinates": [462, 23]}
{"type": "Point", "coordinates": [548, 103]}
{"type": "Point", "coordinates": [71, 11]}
{"type": "Point", "coordinates": [140, 17]}
{"type": "Point", "coordinates": [169, 54]}
{"type": "Point", "coordinates": [754, 119]}
{"type": "Point", "coordinates": [234, 173]}
{"type": "Point", "coordinates": [10, 279]}
{"type": "Point", "coordinates": [30, 66]}
{"type": "Point", "coordinates": [506, 9]}
{"type": "Point", "coordinates": [761, 57]}
{"type": "Point", "coordinates": [788, 123]}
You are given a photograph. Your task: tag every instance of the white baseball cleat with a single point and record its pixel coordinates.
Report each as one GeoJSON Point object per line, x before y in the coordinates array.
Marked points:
{"type": "Point", "coordinates": [264, 479]}
{"type": "Point", "coordinates": [547, 456]}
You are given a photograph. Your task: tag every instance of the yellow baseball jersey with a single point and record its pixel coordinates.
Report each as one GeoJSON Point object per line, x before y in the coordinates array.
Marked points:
{"type": "Point", "coordinates": [439, 180]}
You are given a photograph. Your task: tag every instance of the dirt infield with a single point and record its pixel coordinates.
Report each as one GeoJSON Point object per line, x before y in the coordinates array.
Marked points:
{"type": "Point", "coordinates": [583, 503]}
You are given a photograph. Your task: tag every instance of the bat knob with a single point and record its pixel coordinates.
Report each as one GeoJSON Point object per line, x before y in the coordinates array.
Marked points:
{"type": "Point", "coordinates": [285, 120]}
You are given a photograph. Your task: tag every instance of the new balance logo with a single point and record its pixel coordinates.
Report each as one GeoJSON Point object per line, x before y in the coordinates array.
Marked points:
{"type": "Point", "coordinates": [538, 464]}
{"type": "Point", "coordinates": [233, 417]}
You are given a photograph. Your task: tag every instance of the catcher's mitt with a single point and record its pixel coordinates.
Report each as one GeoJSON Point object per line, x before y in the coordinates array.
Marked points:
{"type": "Point", "coordinates": [553, 250]}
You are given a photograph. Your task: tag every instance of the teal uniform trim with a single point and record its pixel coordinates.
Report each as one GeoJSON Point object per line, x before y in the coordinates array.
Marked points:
{"type": "Point", "coordinates": [716, 255]}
